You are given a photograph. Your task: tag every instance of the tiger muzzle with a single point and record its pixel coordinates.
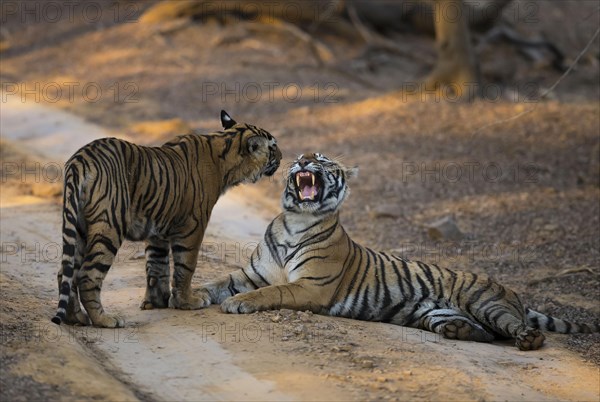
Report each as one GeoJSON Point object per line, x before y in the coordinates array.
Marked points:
{"type": "Point", "coordinates": [271, 168]}
{"type": "Point", "coordinates": [274, 162]}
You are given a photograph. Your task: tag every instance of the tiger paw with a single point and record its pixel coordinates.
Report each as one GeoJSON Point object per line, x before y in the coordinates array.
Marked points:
{"type": "Point", "coordinates": [78, 319]}
{"type": "Point", "coordinates": [457, 329]}
{"type": "Point", "coordinates": [190, 302]}
{"type": "Point", "coordinates": [147, 305]}
{"type": "Point", "coordinates": [157, 294]}
{"type": "Point", "coordinates": [465, 331]}
{"type": "Point", "coordinates": [530, 339]}
{"type": "Point", "coordinates": [109, 321]}
{"type": "Point", "coordinates": [150, 304]}
{"type": "Point", "coordinates": [239, 304]}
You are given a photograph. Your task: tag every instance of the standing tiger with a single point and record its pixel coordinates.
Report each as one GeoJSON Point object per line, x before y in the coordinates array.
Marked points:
{"type": "Point", "coordinates": [307, 261]}
{"type": "Point", "coordinates": [116, 190]}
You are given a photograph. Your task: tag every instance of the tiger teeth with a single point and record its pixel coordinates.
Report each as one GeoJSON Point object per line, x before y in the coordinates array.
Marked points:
{"type": "Point", "coordinates": [311, 197]}
{"type": "Point", "coordinates": [298, 180]}
{"type": "Point", "coordinates": [313, 180]}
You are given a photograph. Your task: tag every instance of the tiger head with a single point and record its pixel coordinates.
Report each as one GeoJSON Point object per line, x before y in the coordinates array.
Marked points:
{"type": "Point", "coordinates": [316, 185]}
{"type": "Point", "coordinates": [249, 152]}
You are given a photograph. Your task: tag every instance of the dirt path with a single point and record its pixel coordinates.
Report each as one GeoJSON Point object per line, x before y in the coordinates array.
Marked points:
{"type": "Point", "coordinates": [206, 355]}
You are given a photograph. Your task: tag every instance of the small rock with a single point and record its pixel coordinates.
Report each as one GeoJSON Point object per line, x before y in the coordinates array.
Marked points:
{"type": "Point", "coordinates": [304, 317]}
{"type": "Point", "coordinates": [384, 211]}
{"type": "Point", "coordinates": [381, 379]}
{"type": "Point", "coordinates": [550, 227]}
{"type": "Point", "coordinates": [367, 364]}
{"type": "Point", "coordinates": [444, 228]}
{"type": "Point", "coordinates": [276, 318]}
{"type": "Point", "coordinates": [138, 256]}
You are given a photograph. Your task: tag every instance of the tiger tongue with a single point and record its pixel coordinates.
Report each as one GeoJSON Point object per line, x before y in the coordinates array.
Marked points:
{"type": "Point", "coordinates": [309, 192]}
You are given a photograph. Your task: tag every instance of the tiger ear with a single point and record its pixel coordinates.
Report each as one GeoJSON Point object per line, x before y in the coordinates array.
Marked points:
{"type": "Point", "coordinates": [352, 172]}
{"type": "Point", "coordinates": [226, 120]}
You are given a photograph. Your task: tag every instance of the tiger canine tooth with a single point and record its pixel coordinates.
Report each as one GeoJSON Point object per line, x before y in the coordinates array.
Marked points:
{"type": "Point", "coordinates": [298, 179]}
{"type": "Point", "coordinates": [313, 179]}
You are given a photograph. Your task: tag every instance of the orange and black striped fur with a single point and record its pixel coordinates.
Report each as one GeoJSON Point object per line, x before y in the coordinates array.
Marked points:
{"type": "Point", "coordinates": [307, 261]}
{"type": "Point", "coordinates": [116, 190]}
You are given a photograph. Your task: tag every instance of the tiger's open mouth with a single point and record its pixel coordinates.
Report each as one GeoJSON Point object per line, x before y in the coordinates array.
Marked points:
{"type": "Point", "coordinates": [308, 186]}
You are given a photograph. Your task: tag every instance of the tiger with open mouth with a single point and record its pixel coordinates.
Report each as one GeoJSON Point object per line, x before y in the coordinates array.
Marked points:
{"type": "Point", "coordinates": [307, 261]}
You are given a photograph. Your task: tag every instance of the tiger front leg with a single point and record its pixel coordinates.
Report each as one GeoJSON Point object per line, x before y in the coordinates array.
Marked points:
{"type": "Point", "coordinates": [236, 282]}
{"type": "Point", "coordinates": [185, 259]}
{"type": "Point", "coordinates": [157, 275]}
{"type": "Point", "coordinates": [294, 296]}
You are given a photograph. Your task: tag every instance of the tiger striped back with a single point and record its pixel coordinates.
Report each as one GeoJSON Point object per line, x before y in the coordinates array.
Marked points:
{"type": "Point", "coordinates": [116, 190]}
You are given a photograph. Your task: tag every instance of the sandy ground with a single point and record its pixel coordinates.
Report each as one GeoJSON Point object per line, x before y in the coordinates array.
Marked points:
{"type": "Point", "coordinates": [206, 355]}
{"type": "Point", "coordinates": [540, 217]}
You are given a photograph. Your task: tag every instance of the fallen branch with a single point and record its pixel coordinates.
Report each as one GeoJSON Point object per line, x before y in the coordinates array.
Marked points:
{"type": "Point", "coordinates": [378, 42]}
{"type": "Point", "coordinates": [321, 52]}
{"type": "Point", "coordinates": [529, 47]}
{"type": "Point", "coordinates": [561, 274]}
{"type": "Point", "coordinates": [544, 95]}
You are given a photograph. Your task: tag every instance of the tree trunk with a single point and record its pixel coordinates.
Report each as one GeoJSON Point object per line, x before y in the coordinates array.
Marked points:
{"type": "Point", "coordinates": [456, 65]}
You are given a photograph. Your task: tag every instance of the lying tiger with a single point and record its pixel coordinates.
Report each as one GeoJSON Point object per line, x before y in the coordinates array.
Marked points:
{"type": "Point", "coordinates": [307, 261]}
{"type": "Point", "coordinates": [116, 190]}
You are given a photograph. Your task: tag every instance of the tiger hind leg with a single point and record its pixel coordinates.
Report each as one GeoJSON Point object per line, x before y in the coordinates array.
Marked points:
{"type": "Point", "coordinates": [157, 275]}
{"type": "Point", "coordinates": [99, 257]}
{"type": "Point", "coordinates": [451, 324]}
{"type": "Point", "coordinates": [75, 315]}
{"type": "Point", "coordinates": [508, 321]}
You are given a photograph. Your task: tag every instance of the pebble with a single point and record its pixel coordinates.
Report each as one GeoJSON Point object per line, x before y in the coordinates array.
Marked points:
{"type": "Point", "coordinates": [444, 228]}
{"type": "Point", "coordinates": [384, 211]}
{"type": "Point", "coordinates": [367, 364]}
{"type": "Point", "coordinates": [304, 316]}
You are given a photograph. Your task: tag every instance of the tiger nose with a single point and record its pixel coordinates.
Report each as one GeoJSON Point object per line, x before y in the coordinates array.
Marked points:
{"type": "Point", "coordinates": [303, 162]}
